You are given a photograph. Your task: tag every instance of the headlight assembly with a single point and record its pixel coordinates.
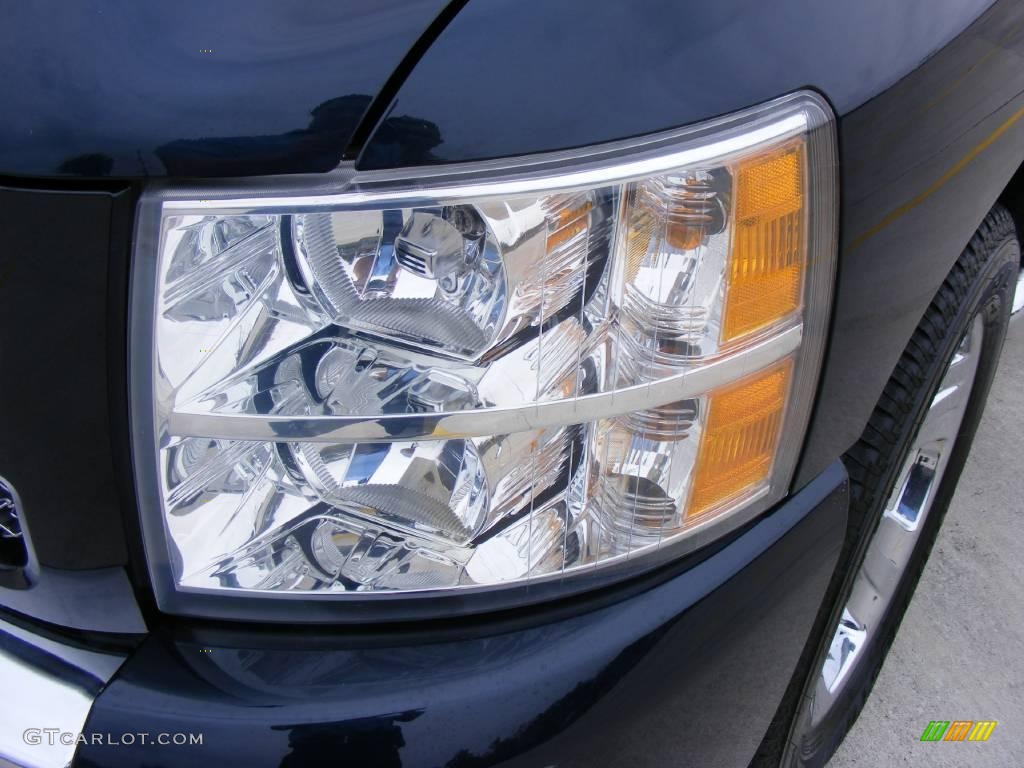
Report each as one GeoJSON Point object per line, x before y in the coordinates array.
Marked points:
{"type": "Point", "coordinates": [490, 382]}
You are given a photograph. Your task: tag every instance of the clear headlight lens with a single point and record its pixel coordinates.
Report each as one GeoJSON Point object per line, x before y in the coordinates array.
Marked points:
{"type": "Point", "coordinates": [486, 374]}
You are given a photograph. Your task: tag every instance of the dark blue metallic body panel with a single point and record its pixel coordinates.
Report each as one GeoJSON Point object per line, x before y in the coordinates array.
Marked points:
{"type": "Point", "coordinates": [509, 78]}
{"type": "Point", "coordinates": [213, 88]}
{"type": "Point", "coordinates": [921, 165]}
{"type": "Point", "coordinates": [688, 672]}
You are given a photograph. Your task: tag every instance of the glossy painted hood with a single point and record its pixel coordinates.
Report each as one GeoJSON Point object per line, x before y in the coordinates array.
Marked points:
{"type": "Point", "coordinates": [212, 88]}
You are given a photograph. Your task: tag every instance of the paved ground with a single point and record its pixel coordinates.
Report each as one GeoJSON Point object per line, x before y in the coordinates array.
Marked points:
{"type": "Point", "coordinates": [959, 654]}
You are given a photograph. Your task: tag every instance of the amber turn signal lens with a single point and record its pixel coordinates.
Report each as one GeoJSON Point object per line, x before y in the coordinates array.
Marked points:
{"type": "Point", "coordinates": [744, 422]}
{"type": "Point", "coordinates": [765, 276]}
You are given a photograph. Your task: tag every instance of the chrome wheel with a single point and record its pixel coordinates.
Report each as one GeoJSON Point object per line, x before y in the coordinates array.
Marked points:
{"type": "Point", "coordinates": [899, 529]}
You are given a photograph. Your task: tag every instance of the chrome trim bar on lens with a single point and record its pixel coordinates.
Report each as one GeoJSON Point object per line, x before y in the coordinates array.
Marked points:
{"type": "Point", "coordinates": [488, 421]}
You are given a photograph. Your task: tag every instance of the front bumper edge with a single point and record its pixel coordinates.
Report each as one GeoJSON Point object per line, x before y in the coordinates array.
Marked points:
{"type": "Point", "coordinates": [49, 688]}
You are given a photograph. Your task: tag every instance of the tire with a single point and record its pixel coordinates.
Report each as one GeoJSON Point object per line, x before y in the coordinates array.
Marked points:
{"type": "Point", "coordinates": [980, 285]}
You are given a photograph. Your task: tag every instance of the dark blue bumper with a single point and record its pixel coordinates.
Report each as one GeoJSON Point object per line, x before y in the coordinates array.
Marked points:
{"type": "Point", "coordinates": [686, 671]}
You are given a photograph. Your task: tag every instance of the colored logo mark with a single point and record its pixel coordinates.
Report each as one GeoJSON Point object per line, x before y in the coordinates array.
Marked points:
{"type": "Point", "coordinates": [958, 730]}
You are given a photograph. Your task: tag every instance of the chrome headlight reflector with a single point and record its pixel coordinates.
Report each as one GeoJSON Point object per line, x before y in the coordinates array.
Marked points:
{"type": "Point", "coordinates": [480, 376]}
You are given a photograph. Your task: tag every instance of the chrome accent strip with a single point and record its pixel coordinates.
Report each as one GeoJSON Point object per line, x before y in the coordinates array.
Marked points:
{"type": "Point", "coordinates": [47, 685]}
{"type": "Point", "coordinates": [488, 421]}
